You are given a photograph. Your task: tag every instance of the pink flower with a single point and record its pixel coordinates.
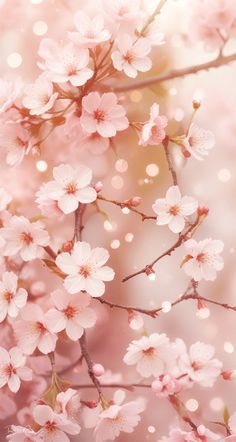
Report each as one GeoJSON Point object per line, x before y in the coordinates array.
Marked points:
{"type": "Point", "coordinates": [66, 63]}
{"type": "Point", "coordinates": [71, 314]}
{"type": "Point", "coordinates": [12, 299]}
{"type": "Point", "coordinates": [118, 417]}
{"type": "Point", "coordinates": [32, 332]}
{"type": "Point", "coordinates": [68, 403]}
{"type": "Point", "coordinates": [39, 96]}
{"type": "Point", "coordinates": [203, 259]}
{"type": "Point", "coordinates": [54, 426]}
{"type": "Point", "coordinates": [71, 187]}
{"type": "Point", "coordinates": [153, 132]}
{"type": "Point", "coordinates": [22, 434]}
{"type": "Point", "coordinates": [153, 33]}
{"type": "Point", "coordinates": [9, 92]}
{"type": "Point", "coordinates": [86, 270]}
{"type": "Point", "coordinates": [12, 368]}
{"type": "Point", "coordinates": [24, 237]}
{"type": "Point", "coordinates": [16, 141]}
{"type": "Point", "coordinates": [90, 32]}
{"type": "Point", "coordinates": [200, 434]}
{"type": "Point", "coordinates": [103, 114]}
{"type": "Point", "coordinates": [200, 365]}
{"type": "Point", "coordinates": [5, 199]}
{"type": "Point", "coordinates": [165, 385]}
{"type": "Point", "coordinates": [47, 205]}
{"type": "Point", "coordinates": [131, 55]}
{"type": "Point", "coordinates": [174, 209]}
{"type": "Point", "coordinates": [198, 141]}
{"type": "Point", "coordinates": [151, 354]}
{"type": "Point", "coordinates": [127, 15]}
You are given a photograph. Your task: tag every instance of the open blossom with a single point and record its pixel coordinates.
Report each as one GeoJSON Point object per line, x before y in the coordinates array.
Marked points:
{"type": "Point", "coordinates": [151, 354]}
{"type": "Point", "coordinates": [9, 92]}
{"type": "Point", "coordinates": [131, 55]}
{"type": "Point", "coordinates": [126, 15]}
{"type": "Point", "coordinates": [5, 199]}
{"type": "Point", "coordinates": [103, 114]}
{"type": "Point", "coordinates": [174, 209]}
{"type": "Point", "coordinates": [200, 434]}
{"type": "Point", "coordinates": [12, 299]}
{"type": "Point", "coordinates": [23, 237]}
{"type": "Point", "coordinates": [153, 131]}
{"type": "Point", "coordinates": [85, 269]}
{"type": "Point", "coordinates": [200, 365]}
{"type": "Point", "coordinates": [118, 417]}
{"type": "Point", "coordinates": [203, 260]}
{"type": "Point", "coordinates": [66, 63]}
{"type": "Point", "coordinates": [90, 32]}
{"type": "Point", "coordinates": [68, 403]}
{"type": "Point", "coordinates": [71, 314]}
{"type": "Point", "coordinates": [47, 205]}
{"type": "Point", "coordinates": [12, 368]}
{"type": "Point", "coordinates": [165, 385]}
{"type": "Point", "coordinates": [31, 331]}
{"type": "Point", "coordinates": [54, 426]}
{"type": "Point", "coordinates": [153, 33]}
{"type": "Point", "coordinates": [198, 141]}
{"type": "Point", "coordinates": [22, 434]}
{"type": "Point", "coordinates": [39, 96]}
{"type": "Point", "coordinates": [15, 141]}
{"type": "Point", "coordinates": [71, 187]}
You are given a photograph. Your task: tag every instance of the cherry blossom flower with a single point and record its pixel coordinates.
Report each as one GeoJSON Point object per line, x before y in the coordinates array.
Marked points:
{"type": "Point", "coordinates": [85, 269]}
{"type": "Point", "coordinates": [68, 403]}
{"type": "Point", "coordinates": [165, 385]}
{"type": "Point", "coordinates": [118, 417]}
{"type": "Point", "coordinates": [15, 141]}
{"type": "Point", "coordinates": [90, 32]}
{"type": "Point", "coordinates": [23, 434]}
{"type": "Point", "coordinates": [5, 199]}
{"type": "Point", "coordinates": [174, 209]}
{"type": "Point", "coordinates": [153, 33]}
{"type": "Point", "coordinates": [9, 92]}
{"type": "Point", "coordinates": [71, 314]}
{"type": "Point", "coordinates": [203, 260]}
{"type": "Point", "coordinates": [198, 141]}
{"type": "Point", "coordinates": [201, 433]}
{"type": "Point", "coordinates": [151, 354]}
{"type": "Point", "coordinates": [24, 237]}
{"type": "Point", "coordinates": [12, 299]}
{"type": "Point", "coordinates": [39, 96]}
{"type": "Point", "coordinates": [66, 63]}
{"type": "Point", "coordinates": [47, 205]}
{"type": "Point", "coordinates": [54, 426]}
{"type": "Point", "coordinates": [71, 187]}
{"type": "Point", "coordinates": [103, 114]}
{"type": "Point", "coordinates": [131, 55]}
{"type": "Point", "coordinates": [153, 131]}
{"type": "Point", "coordinates": [12, 368]}
{"type": "Point", "coordinates": [127, 15]}
{"type": "Point", "coordinates": [32, 332]}
{"type": "Point", "coordinates": [200, 365]}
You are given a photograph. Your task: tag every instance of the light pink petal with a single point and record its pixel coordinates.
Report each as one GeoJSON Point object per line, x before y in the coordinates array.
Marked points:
{"type": "Point", "coordinates": [177, 223]}
{"type": "Point", "coordinates": [81, 252]}
{"type": "Point", "coordinates": [21, 298]}
{"type": "Point", "coordinates": [142, 64]}
{"type": "Point", "coordinates": [104, 273]}
{"type": "Point", "coordinates": [173, 195]}
{"type": "Point", "coordinates": [43, 414]}
{"type": "Point", "coordinates": [106, 129]}
{"type": "Point", "coordinates": [91, 102]}
{"type": "Point", "coordinates": [10, 281]}
{"type": "Point", "coordinates": [25, 373]}
{"type": "Point", "coordinates": [68, 203]}
{"type": "Point", "coordinates": [63, 174]}
{"type": "Point", "coordinates": [94, 287]}
{"type": "Point", "coordinates": [130, 70]}
{"type": "Point", "coordinates": [81, 77]}
{"type": "Point", "coordinates": [88, 123]}
{"type": "Point", "coordinates": [188, 205]}
{"type": "Point", "coordinates": [86, 195]}
{"type": "Point", "coordinates": [4, 356]}
{"type": "Point", "coordinates": [14, 383]}
{"type": "Point", "coordinates": [74, 283]}
{"type": "Point", "coordinates": [87, 318]}
{"type": "Point", "coordinates": [60, 299]}
{"type": "Point", "coordinates": [47, 343]}
{"type": "Point", "coordinates": [66, 263]}
{"type": "Point", "coordinates": [17, 357]}
{"type": "Point", "coordinates": [55, 320]}
{"type": "Point", "coordinates": [74, 329]}
{"type": "Point", "coordinates": [99, 256]}
{"type": "Point", "coordinates": [83, 176]}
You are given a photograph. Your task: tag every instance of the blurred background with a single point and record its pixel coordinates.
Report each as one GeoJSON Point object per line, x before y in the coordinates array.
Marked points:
{"type": "Point", "coordinates": [133, 170]}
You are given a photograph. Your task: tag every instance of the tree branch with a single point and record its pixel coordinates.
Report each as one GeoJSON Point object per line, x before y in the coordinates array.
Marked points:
{"type": "Point", "coordinates": [127, 204]}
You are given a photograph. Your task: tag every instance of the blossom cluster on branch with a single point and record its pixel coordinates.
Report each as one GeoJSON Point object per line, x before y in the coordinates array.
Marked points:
{"type": "Point", "coordinates": [76, 91]}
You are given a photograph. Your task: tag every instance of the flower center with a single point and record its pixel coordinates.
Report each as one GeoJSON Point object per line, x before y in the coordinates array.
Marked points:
{"type": "Point", "coordinates": [128, 57]}
{"type": "Point", "coordinates": [9, 370]}
{"type": "Point", "coordinates": [149, 351]}
{"type": "Point", "coordinates": [50, 426]}
{"type": "Point", "coordinates": [20, 142]}
{"type": "Point", "coordinates": [40, 327]}
{"type": "Point", "coordinates": [69, 312]}
{"type": "Point", "coordinates": [201, 257]}
{"type": "Point", "coordinates": [85, 271]}
{"type": "Point", "coordinates": [196, 366]}
{"type": "Point", "coordinates": [99, 115]}
{"type": "Point", "coordinates": [71, 70]}
{"type": "Point", "coordinates": [71, 188]}
{"type": "Point", "coordinates": [26, 238]}
{"type": "Point", "coordinates": [8, 296]}
{"type": "Point", "coordinates": [174, 210]}
{"type": "Point", "coordinates": [44, 99]}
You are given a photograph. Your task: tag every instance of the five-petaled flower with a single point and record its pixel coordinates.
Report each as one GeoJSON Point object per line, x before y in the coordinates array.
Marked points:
{"type": "Point", "coordinates": [103, 114]}
{"type": "Point", "coordinates": [85, 269]}
{"type": "Point", "coordinates": [153, 131]}
{"type": "Point", "coordinates": [71, 187]}
{"type": "Point", "coordinates": [24, 237]}
{"type": "Point", "coordinates": [71, 314]}
{"type": "Point", "coordinates": [198, 141]}
{"type": "Point", "coordinates": [40, 97]}
{"type": "Point", "coordinates": [90, 32]}
{"type": "Point", "coordinates": [174, 209]}
{"type": "Point", "coordinates": [13, 369]}
{"type": "Point", "coordinates": [12, 299]}
{"type": "Point", "coordinates": [203, 260]}
{"type": "Point", "coordinates": [131, 55]}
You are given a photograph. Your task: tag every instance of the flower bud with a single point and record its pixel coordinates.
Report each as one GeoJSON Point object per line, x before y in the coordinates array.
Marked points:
{"type": "Point", "coordinates": [196, 104]}
{"type": "Point", "coordinates": [98, 370]}
{"type": "Point", "coordinates": [203, 210]}
{"type": "Point", "coordinates": [228, 375]}
{"type": "Point", "coordinates": [67, 246]}
{"type": "Point", "coordinates": [98, 186]}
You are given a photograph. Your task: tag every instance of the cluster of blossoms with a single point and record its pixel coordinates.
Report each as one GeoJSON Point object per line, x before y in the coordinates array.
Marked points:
{"type": "Point", "coordinates": [73, 96]}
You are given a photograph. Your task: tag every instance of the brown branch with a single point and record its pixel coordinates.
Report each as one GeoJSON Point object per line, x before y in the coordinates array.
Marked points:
{"type": "Point", "coordinates": [149, 267]}
{"type": "Point", "coordinates": [175, 73]}
{"type": "Point", "coordinates": [78, 228]}
{"type": "Point", "coordinates": [50, 252]}
{"type": "Point", "coordinates": [126, 204]}
{"type": "Point", "coordinates": [169, 161]}
{"type": "Point", "coordinates": [128, 387]}
{"type": "Point", "coordinates": [152, 313]}
{"type": "Point", "coordinates": [86, 356]}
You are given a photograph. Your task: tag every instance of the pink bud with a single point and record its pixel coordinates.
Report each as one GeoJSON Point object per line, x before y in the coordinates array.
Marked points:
{"type": "Point", "coordinates": [186, 154]}
{"type": "Point", "coordinates": [228, 375]}
{"type": "Point", "coordinates": [98, 370]}
{"type": "Point", "coordinates": [196, 104]}
{"type": "Point", "coordinates": [135, 320]}
{"type": "Point", "coordinates": [67, 246]}
{"type": "Point", "coordinates": [203, 210]}
{"type": "Point", "coordinates": [200, 304]}
{"type": "Point", "coordinates": [135, 201]}
{"type": "Point", "coordinates": [98, 186]}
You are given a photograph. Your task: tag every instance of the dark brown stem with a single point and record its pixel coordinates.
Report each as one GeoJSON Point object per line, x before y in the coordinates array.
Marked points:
{"type": "Point", "coordinates": [128, 387]}
{"type": "Point", "coordinates": [78, 228]}
{"type": "Point", "coordinates": [152, 313]}
{"type": "Point", "coordinates": [169, 161]}
{"type": "Point", "coordinates": [50, 252]}
{"type": "Point", "coordinates": [86, 356]}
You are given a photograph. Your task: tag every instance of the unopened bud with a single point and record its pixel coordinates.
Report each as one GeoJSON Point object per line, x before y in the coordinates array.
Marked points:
{"type": "Point", "coordinates": [186, 153]}
{"type": "Point", "coordinates": [98, 370]}
{"type": "Point", "coordinates": [67, 246]}
{"type": "Point", "coordinates": [89, 404]}
{"type": "Point", "coordinates": [98, 186]}
{"type": "Point", "coordinates": [203, 210]}
{"type": "Point", "coordinates": [196, 104]}
{"type": "Point", "coordinates": [228, 375]}
{"type": "Point", "coordinates": [134, 202]}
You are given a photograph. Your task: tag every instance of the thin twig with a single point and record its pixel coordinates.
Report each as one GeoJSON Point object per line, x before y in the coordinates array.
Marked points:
{"type": "Point", "coordinates": [126, 204]}
{"type": "Point", "coordinates": [169, 161]}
